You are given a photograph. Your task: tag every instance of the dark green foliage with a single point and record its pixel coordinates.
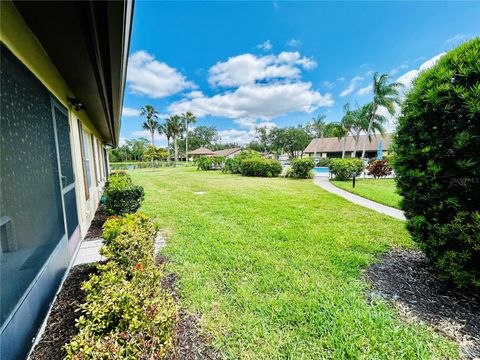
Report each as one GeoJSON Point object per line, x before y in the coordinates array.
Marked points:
{"type": "Point", "coordinates": [343, 169]}
{"type": "Point", "coordinates": [126, 313]}
{"type": "Point", "coordinates": [260, 167]}
{"type": "Point", "coordinates": [302, 168]}
{"type": "Point", "coordinates": [437, 163]}
{"type": "Point", "coordinates": [323, 162]}
{"type": "Point", "coordinates": [233, 165]}
{"type": "Point", "coordinates": [379, 168]}
{"type": "Point", "coordinates": [123, 197]}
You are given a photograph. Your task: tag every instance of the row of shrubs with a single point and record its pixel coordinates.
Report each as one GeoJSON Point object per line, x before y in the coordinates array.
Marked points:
{"type": "Point", "coordinates": [121, 195]}
{"type": "Point", "coordinates": [126, 313]}
{"type": "Point", "coordinates": [210, 163]}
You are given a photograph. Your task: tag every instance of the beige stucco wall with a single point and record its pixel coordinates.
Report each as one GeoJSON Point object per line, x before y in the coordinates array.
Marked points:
{"type": "Point", "coordinates": [15, 34]}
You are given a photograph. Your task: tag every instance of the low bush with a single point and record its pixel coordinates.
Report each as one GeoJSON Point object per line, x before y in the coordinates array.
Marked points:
{"type": "Point", "coordinates": [379, 168]}
{"type": "Point", "coordinates": [210, 163]}
{"type": "Point", "coordinates": [126, 314]}
{"type": "Point", "coordinates": [122, 196]}
{"type": "Point", "coordinates": [302, 168]}
{"type": "Point", "coordinates": [323, 162]}
{"type": "Point", "coordinates": [437, 164]}
{"type": "Point", "coordinates": [343, 169]}
{"type": "Point", "coordinates": [233, 165]}
{"type": "Point", "coordinates": [260, 167]}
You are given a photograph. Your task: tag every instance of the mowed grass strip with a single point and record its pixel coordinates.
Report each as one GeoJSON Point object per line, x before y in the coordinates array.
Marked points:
{"type": "Point", "coordinates": [274, 267]}
{"type": "Point", "coordinates": [383, 191]}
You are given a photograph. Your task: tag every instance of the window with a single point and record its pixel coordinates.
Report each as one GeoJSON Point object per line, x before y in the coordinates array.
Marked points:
{"type": "Point", "coordinates": [86, 182]}
{"type": "Point", "coordinates": [94, 157]}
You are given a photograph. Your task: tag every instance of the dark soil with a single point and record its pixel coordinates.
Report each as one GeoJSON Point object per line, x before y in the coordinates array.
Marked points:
{"type": "Point", "coordinates": [406, 279]}
{"type": "Point", "coordinates": [61, 323]}
{"type": "Point", "coordinates": [95, 230]}
{"type": "Point", "coordinates": [188, 340]}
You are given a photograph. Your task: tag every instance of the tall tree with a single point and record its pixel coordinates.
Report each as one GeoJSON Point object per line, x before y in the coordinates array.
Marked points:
{"type": "Point", "coordinates": [176, 127]}
{"type": "Point", "coordinates": [167, 131]}
{"type": "Point", "coordinates": [318, 126]}
{"type": "Point", "coordinates": [188, 118]}
{"type": "Point", "coordinates": [384, 95]}
{"type": "Point", "coordinates": [362, 121]}
{"type": "Point", "coordinates": [151, 124]}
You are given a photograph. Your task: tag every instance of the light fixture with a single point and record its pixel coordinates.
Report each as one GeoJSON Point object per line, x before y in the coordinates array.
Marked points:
{"type": "Point", "coordinates": [77, 104]}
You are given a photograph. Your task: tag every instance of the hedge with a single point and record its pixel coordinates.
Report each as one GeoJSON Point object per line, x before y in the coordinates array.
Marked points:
{"type": "Point", "coordinates": [122, 196]}
{"type": "Point", "coordinates": [126, 313]}
{"type": "Point", "coordinates": [437, 164]}
{"type": "Point", "coordinates": [301, 168]}
{"type": "Point", "coordinates": [343, 169]}
{"type": "Point", "coordinates": [233, 165]}
{"type": "Point", "coordinates": [260, 167]}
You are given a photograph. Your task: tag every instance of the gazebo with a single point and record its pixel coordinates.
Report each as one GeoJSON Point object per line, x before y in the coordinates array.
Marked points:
{"type": "Point", "coordinates": [201, 151]}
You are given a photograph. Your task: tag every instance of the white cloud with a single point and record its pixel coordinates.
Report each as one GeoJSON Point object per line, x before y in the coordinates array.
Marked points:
{"type": "Point", "coordinates": [351, 86]}
{"type": "Point", "coordinates": [126, 111]}
{"type": "Point", "coordinates": [252, 124]}
{"type": "Point", "coordinates": [397, 69]}
{"type": "Point", "coordinates": [364, 90]}
{"type": "Point", "coordinates": [459, 37]}
{"type": "Point", "coordinates": [265, 46]}
{"type": "Point", "coordinates": [248, 68]}
{"type": "Point", "coordinates": [263, 101]}
{"type": "Point", "coordinates": [146, 134]}
{"type": "Point", "coordinates": [194, 94]}
{"type": "Point", "coordinates": [328, 84]}
{"type": "Point", "coordinates": [241, 137]}
{"type": "Point", "coordinates": [294, 43]}
{"type": "Point", "coordinates": [147, 76]}
{"type": "Point", "coordinates": [122, 141]}
{"type": "Point", "coordinates": [407, 78]}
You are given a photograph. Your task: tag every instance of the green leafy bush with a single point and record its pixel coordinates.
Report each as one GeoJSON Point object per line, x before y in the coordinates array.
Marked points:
{"type": "Point", "coordinates": [233, 165]}
{"type": "Point", "coordinates": [302, 168]}
{"type": "Point", "coordinates": [323, 162]}
{"type": "Point", "coordinates": [210, 163]}
{"type": "Point", "coordinates": [260, 167]}
{"type": "Point", "coordinates": [437, 163]}
{"type": "Point", "coordinates": [343, 169]}
{"type": "Point", "coordinates": [379, 168]}
{"type": "Point", "coordinates": [122, 196]}
{"type": "Point", "coordinates": [126, 314]}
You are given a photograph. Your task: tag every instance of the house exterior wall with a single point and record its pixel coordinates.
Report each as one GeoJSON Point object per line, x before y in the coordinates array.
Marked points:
{"type": "Point", "coordinates": [23, 322]}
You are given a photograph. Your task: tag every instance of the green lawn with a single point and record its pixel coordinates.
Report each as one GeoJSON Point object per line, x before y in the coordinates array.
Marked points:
{"type": "Point", "coordinates": [382, 191]}
{"type": "Point", "coordinates": [274, 267]}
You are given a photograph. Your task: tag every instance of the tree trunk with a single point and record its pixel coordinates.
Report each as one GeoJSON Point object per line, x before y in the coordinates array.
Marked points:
{"type": "Point", "coordinates": [186, 142]}
{"type": "Point", "coordinates": [176, 149]}
{"type": "Point", "coordinates": [152, 135]}
{"type": "Point", "coordinates": [343, 148]}
{"type": "Point", "coordinates": [374, 110]}
{"type": "Point", "coordinates": [168, 150]}
{"type": "Point", "coordinates": [357, 138]}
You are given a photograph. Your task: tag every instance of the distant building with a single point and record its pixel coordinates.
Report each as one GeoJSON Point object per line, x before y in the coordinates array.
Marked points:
{"type": "Point", "coordinates": [228, 153]}
{"type": "Point", "coordinates": [201, 151]}
{"type": "Point", "coordinates": [332, 147]}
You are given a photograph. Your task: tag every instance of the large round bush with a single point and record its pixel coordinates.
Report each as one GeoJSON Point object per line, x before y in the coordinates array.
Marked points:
{"type": "Point", "coordinates": [438, 163]}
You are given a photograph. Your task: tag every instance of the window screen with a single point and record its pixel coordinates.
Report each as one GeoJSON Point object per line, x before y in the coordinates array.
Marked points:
{"type": "Point", "coordinates": [88, 157]}
{"type": "Point", "coordinates": [31, 216]}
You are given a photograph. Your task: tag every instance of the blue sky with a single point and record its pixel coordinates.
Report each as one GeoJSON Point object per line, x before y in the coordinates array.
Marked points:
{"type": "Point", "coordinates": [239, 65]}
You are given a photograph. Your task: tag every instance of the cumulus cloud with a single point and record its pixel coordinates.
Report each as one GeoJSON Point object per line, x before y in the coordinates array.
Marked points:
{"type": "Point", "coordinates": [248, 68]}
{"type": "Point", "coordinates": [407, 78]}
{"type": "Point", "coordinates": [265, 46]}
{"type": "Point", "coordinates": [263, 101]}
{"type": "Point", "coordinates": [351, 86]}
{"type": "Point", "coordinates": [364, 90]}
{"type": "Point", "coordinates": [294, 43]}
{"type": "Point", "coordinates": [147, 76]}
{"type": "Point", "coordinates": [127, 111]}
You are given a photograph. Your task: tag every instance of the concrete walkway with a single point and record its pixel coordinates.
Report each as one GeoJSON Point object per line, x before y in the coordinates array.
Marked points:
{"type": "Point", "coordinates": [325, 184]}
{"type": "Point", "coordinates": [90, 250]}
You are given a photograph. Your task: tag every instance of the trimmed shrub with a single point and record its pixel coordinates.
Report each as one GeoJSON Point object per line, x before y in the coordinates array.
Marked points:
{"type": "Point", "coordinates": [233, 165]}
{"type": "Point", "coordinates": [126, 314]}
{"type": "Point", "coordinates": [379, 168]}
{"type": "Point", "coordinates": [437, 164]}
{"type": "Point", "coordinates": [122, 196]}
{"type": "Point", "coordinates": [343, 169]}
{"type": "Point", "coordinates": [302, 168]}
{"type": "Point", "coordinates": [260, 167]}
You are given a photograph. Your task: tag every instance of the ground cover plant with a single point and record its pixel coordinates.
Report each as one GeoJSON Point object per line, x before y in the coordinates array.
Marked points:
{"type": "Point", "coordinates": [344, 169]}
{"type": "Point", "coordinates": [383, 191]}
{"type": "Point", "coordinates": [274, 267]}
{"type": "Point", "coordinates": [437, 163]}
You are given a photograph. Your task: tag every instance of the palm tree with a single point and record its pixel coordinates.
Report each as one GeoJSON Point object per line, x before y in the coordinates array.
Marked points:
{"type": "Point", "coordinates": [175, 125]}
{"type": "Point", "coordinates": [188, 118]}
{"type": "Point", "coordinates": [343, 127]}
{"type": "Point", "coordinates": [167, 131]}
{"type": "Point", "coordinates": [384, 95]}
{"type": "Point", "coordinates": [151, 124]}
{"type": "Point", "coordinates": [365, 120]}
{"type": "Point", "coordinates": [318, 126]}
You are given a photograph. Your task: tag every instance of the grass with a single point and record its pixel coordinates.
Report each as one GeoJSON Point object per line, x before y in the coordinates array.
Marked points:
{"type": "Point", "coordinates": [274, 267]}
{"type": "Point", "coordinates": [382, 191]}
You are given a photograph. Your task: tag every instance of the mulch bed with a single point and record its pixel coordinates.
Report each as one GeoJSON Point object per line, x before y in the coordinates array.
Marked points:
{"type": "Point", "coordinates": [61, 323]}
{"type": "Point", "coordinates": [188, 341]}
{"type": "Point", "coordinates": [95, 230]}
{"type": "Point", "coordinates": [405, 279]}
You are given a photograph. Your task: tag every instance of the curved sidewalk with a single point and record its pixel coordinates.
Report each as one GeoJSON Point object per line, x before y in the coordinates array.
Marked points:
{"type": "Point", "coordinates": [325, 184]}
